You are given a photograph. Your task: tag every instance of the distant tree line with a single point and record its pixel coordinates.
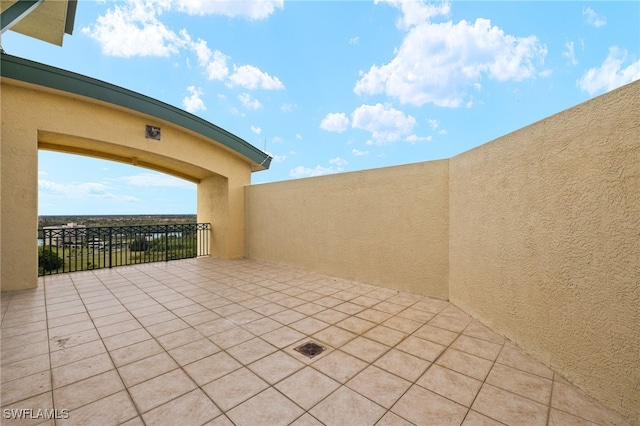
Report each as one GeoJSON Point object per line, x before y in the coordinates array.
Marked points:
{"type": "Point", "coordinates": [116, 220]}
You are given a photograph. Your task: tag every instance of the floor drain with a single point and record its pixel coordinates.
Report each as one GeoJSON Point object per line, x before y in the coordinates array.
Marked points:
{"type": "Point", "coordinates": [310, 349]}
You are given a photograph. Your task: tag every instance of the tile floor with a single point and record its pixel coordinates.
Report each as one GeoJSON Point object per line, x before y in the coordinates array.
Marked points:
{"type": "Point", "coordinates": [207, 341]}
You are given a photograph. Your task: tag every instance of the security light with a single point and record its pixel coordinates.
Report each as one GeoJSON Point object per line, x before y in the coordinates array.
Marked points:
{"type": "Point", "coordinates": [152, 132]}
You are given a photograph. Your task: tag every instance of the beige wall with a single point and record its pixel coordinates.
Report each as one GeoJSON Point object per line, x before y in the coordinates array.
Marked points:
{"type": "Point", "coordinates": [538, 237]}
{"type": "Point", "coordinates": [545, 242]}
{"type": "Point", "coordinates": [18, 205]}
{"type": "Point", "coordinates": [33, 118]}
{"type": "Point", "coordinates": [387, 226]}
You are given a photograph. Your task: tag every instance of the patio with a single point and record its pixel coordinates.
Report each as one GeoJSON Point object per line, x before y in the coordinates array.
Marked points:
{"type": "Point", "coordinates": [209, 341]}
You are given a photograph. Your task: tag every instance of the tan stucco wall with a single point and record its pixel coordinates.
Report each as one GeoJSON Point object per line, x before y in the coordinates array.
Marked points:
{"type": "Point", "coordinates": [543, 237]}
{"type": "Point", "coordinates": [33, 117]}
{"type": "Point", "coordinates": [18, 205]}
{"type": "Point", "coordinates": [545, 243]}
{"type": "Point", "coordinates": [385, 226]}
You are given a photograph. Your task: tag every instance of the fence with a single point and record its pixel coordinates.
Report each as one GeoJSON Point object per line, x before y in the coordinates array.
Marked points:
{"type": "Point", "coordinates": [78, 248]}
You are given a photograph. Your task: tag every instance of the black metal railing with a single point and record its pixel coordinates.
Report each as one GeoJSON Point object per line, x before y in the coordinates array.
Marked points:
{"type": "Point", "coordinates": [78, 248]}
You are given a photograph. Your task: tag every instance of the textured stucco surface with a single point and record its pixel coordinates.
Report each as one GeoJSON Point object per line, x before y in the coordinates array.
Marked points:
{"type": "Point", "coordinates": [543, 237]}
{"type": "Point", "coordinates": [545, 243]}
{"type": "Point", "coordinates": [18, 205]}
{"type": "Point", "coordinates": [35, 118]}
{"type": "Point", "coordinates": [385, 226]}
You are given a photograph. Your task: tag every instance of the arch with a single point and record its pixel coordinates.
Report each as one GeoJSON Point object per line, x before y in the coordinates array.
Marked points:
{"type": "Point", "coordinates": [53, 109]}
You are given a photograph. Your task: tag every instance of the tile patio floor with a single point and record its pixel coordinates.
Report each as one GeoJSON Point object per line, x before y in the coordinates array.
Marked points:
{"type": "Point", "coordinates": [207, 341]}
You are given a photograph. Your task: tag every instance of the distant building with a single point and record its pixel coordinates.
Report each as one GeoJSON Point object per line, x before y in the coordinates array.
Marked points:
{"type": "Point", "coordinates": [95, 243]}
{"type": "Point", "coordinates": [69, 234]}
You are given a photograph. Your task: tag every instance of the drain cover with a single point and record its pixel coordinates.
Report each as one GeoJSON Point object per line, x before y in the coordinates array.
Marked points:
{"type": "Point", "coordinates": [310, 349]}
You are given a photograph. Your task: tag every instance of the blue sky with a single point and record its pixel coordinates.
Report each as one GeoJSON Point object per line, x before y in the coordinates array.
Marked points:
{"type": "Point", "coordinates": [331, 86]}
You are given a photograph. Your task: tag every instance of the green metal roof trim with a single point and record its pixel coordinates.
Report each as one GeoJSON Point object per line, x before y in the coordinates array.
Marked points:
{"type": "Point", "coordinates": [72, 5]}
{"type": "Point", "coordinates": [59, 79]}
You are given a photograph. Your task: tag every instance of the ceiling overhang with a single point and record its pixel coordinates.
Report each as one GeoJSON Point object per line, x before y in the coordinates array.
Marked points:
{"type": "Point", "coordinates": [46, 20]}
{"type": "Point", "coordinates": [51, 78]}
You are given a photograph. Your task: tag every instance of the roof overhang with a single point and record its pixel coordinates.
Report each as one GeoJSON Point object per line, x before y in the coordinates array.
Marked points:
{"type": "Point", "coordinates": [46, 20]}
{"type": "Point", "coordinates": [27, 71]}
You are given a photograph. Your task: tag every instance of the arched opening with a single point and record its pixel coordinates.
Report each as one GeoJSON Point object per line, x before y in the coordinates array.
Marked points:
{"type": "Point", "coordinates": [74, 185]}
{"type": "Point", "coordinates": [95, 213]}
{"type": "Point", "coordinates": [46, 108]}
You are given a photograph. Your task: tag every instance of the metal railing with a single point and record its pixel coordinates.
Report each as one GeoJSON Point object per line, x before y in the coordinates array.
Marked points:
{"type": "Point", "coordinates": [78, 248]}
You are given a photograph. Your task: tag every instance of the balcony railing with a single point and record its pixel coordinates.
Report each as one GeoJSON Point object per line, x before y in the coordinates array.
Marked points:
{"type": "Point", "coordinates": [78, 248]}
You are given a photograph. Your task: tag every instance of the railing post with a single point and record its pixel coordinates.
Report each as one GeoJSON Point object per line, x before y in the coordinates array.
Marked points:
{"type": "Point", "coordinates": [64, 261]}
{"type": "Point", "coordinates": [110, 245]}
{"type": "Point", "coordinates": [166, 243]}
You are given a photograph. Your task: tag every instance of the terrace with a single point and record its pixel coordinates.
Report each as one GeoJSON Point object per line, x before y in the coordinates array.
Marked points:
{"type": "Point", "coordinates": [401, 273]}
{"type": "Point", "coordinates": [209, 341]}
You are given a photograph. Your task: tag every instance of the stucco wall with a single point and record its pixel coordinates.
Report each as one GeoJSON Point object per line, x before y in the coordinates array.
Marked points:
{"type": "Point", "coordinates": [385, 226]}
{"type": "Point", "coordinates": [18, 204]}
{"type": "Point", "coordinates": [34, 117]}
{"type": "Point", "coordinates": [542, 237]}
{"type": "Point", "coordinates": [545, 242]}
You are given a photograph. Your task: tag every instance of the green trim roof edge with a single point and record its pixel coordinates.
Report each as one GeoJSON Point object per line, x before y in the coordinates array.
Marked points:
{"type": "Point", "coordinates": [56, 78]}
{"type": "Point", "coordinates": [72, 6]}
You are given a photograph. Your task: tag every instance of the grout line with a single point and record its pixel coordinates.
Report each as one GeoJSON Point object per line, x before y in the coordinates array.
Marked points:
{"type": "Point", "coordinates": [53, 400]}
{"type": "Point", "coordinates": [553, 385]}
{"type": "Point", "coordinates": [216, 288]}
{"type": "Point", "coordinates": [108, 352]}
{"type": "Point", "coordinates": [483, 383]}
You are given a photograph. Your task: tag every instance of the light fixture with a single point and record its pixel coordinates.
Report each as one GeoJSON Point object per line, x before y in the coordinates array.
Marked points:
{"type": "Point", "coordinates": [152, 132]}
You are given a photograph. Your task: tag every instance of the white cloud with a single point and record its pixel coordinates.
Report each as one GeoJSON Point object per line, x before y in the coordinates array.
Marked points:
{"type": "Point", "coordinates": [73, 189]}
{"type": "Point", "coordinates": [438, 62]}
{"type": "Point", "coordinates": [611, 74]}
{"type": "Point", "coordinates": [416, 138]}
{"type": "Point", "coordinates": [336, 166]}
{"type": "Point", "coordinates": [301, 172]}
{"type": "Point", "coordinates": [253, 10]}
{"type": "Point", "coordinates": [194, 103]}
{"type": "Point", "coordinates": [249, 102]}
{"type": "Point", "coordinates": [354, 40]}
{"type": "Point", "coordinates": [133, 29]}
{"type": "Point", "coordinates": [236, 111]}
{"type": "Point", "coordinates": [338, 162]}
{"type": "Point", "coordinates": [216, 68]}
{"type": "Point", "coordinates": [359, 153]}
{"type": "Point", "coordinates": [435, 125]}
{"type": "Point", "coordinates": [251, 77]}
{"type": "Point", "coordinates": [256, 130]}
{"type": "Point", "coordinates": [214, 62]}
{"type": "Point", "coordinates": [545, 73]}
{"type": "Point", "coordinates": [335, 122]}
{"type": "Point", "coordinates": [385, 123]}
{"type": "Point", "coordinates": [298, 136]}
{"type": "Point", "coordinates": [278, 158]}
{"type": "Point", "coordinates": [79, 191]}
{"type": "Point", "coordinates": [416, 12]}
{"type": "Point", "coordinates": [593, 19]}
{"type": "Point", "coordinates": [149, 179]}
{"type": "Point", "coordinates": [287, 107]}
{"type": "Point", "coordinates": [570, 53]}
